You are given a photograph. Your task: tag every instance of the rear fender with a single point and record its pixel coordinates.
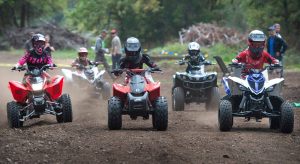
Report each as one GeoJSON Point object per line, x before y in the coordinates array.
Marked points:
{"type": "Point", "coordinates": [18, 90]}
{"type": "Point", "coordinates": [120, 91]}
{"type": "Point", "coordinates": [154, 90]}
{"type": "Point", "coordinates": [54, 89]}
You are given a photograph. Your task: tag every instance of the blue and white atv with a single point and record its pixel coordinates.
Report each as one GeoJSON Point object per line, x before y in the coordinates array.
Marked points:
{"type": "Point", "coordinates": [255, 96]}
{"type": "Point", "coordinates": [196, 85]}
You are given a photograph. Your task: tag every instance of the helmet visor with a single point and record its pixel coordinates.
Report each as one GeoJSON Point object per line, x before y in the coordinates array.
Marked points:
{"type": "Point", "coordinates": [193, 52]}
{"type": "Point", "coordinates": [257, 37]}
{"type": "Point", "coordinates": [133, 46]}
{"type": "Point", "coordinates": [82, 54]}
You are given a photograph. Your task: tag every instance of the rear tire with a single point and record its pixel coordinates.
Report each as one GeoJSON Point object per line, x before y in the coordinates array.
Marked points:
{"type": "Point", "coordinates": [106, 91]}
{"type": "Point", "coordinates": [160, 114]}
{"type": "Point", "coordinates": [225, 117]}
{"type": "Point", "coordinates": [213, 99]}
{"type": "Point", "coordinates": [13, 115]}
{"type": "Point", "coordinates": [178, 99]}
{"type": "Point", "coordinates": [67, 113]}
{"type": "Point", "coordinates": [114, 113]}
{"type": "Point", "coordinates": [287, 118]}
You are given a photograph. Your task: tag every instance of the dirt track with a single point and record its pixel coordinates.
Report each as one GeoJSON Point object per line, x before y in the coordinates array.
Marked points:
{"type": "Point", "coordinates": [192, 136]}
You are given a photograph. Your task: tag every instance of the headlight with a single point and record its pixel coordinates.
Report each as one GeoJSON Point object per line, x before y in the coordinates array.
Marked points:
{"type": "Point", "coordinates": [242, 88]}
{"type": "Point", "coordinates": [183, 77]}
{"type": "Point", "coordinates": [270, 89]}
{"type": "Point", "coordinates": [210, 77]}
{"type": "Point", "coordinates": [37, 87]}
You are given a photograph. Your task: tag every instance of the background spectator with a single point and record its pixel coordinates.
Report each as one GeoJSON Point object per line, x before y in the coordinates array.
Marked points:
{"type": "Point", "coordinates": [277, 29]}
{"type": "Point", "coordinates": [116, 47]}
{"type": "Point", "coordinates": [28, 43]}
{"type": "Point", "coordinates": [48, 47]}
{"type": "Point", "coordinates": [100, 51]}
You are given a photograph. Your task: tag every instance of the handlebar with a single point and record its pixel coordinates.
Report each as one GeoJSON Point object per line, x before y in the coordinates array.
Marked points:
{"type": "Point", "coordinates": [136, 71]}
{"type": "Point", "coordinates": [243, 65]}
{"type": "Point", "coordinates": [206, 62]}
{"type": "Point", "coordinates": [23, 68]}
{"type": "Point", "coordinates": [84, 67]}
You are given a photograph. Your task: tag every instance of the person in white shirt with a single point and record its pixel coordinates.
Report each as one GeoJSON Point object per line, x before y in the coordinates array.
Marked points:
{"type": "Point", "coordinates": [116, 49]}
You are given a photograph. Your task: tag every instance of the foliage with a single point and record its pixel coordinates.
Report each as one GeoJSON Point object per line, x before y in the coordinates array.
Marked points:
{"type": "Point", "coordinates": [23, 13]}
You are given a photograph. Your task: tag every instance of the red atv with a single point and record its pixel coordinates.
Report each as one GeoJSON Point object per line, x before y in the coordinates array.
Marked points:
{"type": "Point", "coordinates": [140, 96]}
{"type": "Point", "coordinates": [37, 95]}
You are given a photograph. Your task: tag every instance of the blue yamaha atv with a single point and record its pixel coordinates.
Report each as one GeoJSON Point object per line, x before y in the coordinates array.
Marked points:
{"type": "Point", "coordinates": [254, 96]}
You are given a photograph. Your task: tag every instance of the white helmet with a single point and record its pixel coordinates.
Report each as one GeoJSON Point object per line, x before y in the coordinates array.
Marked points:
{"type": "Point", "coordinates": [257, 36]}
{"type": "Point", "coordinates": [194, 51]}
{"type": "Point", "coordinates": [194, 46]}
{"type": "Point", "coordinates": [256, 43]}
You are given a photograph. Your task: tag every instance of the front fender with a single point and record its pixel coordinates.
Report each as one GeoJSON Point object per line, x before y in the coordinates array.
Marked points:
{"type": "Point", "coordinates": [100, 74]}
{"type": "Point", "coordinates": [154, 90]}
{"type": "Point", "coordinates": [239, 81]}
{"type": "Point", "coordinates": [120, 90]}
{"type": "Point", "coordinates": [273, 82]}
{"type": "Point", "coordinates": [55, 87]}
{"type": "Point", "coordinates": [18, 90]}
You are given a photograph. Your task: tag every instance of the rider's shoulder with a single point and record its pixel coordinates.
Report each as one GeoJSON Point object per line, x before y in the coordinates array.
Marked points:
{"type": "Point", "coordinates": [146, 57]}
{"type": "Point", "coordinates": [244, 52]}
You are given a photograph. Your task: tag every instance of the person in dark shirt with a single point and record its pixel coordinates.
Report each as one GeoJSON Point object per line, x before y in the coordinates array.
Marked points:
{"type": "Point", "coordinates": [28, 43]}
{"type": "Point", "coordinates": [194, 57]}
{"type": "Point", "coordinates": [48, 47]}
{"type": "Point", "coordinates": [134, 59]}
{"type": "Point", "coordinates": [275, 45]}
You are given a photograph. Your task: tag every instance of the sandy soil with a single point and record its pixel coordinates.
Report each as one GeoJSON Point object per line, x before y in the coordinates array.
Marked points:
{"type": "Point", "coordinates": [192, 136]}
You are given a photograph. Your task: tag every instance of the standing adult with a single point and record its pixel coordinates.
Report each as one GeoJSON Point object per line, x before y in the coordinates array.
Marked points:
{"type": "Point", "coordinates": [48, 47]}
{"type": "Point", "coordinates": [277, 29]}
{"type": "Point", "coordinates": [100, 51]}
{"type": "Point", "coordinates": [116, 47]}
{"type": "Point", "coordinates": [276, 46]}
{"type": "Point", "coordinates": [28, 43]}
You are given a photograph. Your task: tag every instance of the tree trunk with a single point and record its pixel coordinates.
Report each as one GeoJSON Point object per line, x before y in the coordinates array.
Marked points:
{"type": "Point", "coordinates": [23, 14]}
{"type": "Point", "coordinates": [286, 15]}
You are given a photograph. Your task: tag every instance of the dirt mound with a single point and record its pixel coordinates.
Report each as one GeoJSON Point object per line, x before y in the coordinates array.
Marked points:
{"type": "Point", "coordinates": [207, 34]}
{"type": "Point", "coordinates": [61, 38]}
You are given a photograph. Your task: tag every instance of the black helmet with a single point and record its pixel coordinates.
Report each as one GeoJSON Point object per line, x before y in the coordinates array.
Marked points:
{"type": "Point", "coordinates": [133, 49]}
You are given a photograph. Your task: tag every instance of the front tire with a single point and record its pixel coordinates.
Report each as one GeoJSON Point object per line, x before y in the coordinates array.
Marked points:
{"type": "Point", "coordinates": [225, 117]}
{"type": "Point", "coordinates": [287, 118]}
{"type": "Point", "coordinates": [14, 115]}
{"type": "Point", "coordinates": [178, 99]}
{"type": "Point", "coordinates": [160, 114]}
{"type": "Point", "coordinates": [67, 113]}
{"type": "Point", "coordinates": [114, 113]}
